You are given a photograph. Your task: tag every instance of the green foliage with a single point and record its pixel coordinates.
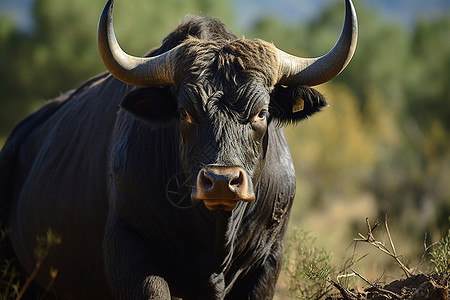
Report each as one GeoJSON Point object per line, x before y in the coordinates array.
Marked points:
{"type": "Point", "coordinates": [441, 255]}
{"type": "Point", "coordinates": [9, 277]}
{"type": "Point", "coordinates": [9, 280]}
{"type": "Point", "coordinates": [11, 286]}
{"type": "Point", "coordinates": [428, 78]}
{"type": "Point", "coordinates": [307, 266]}
{"type": "Point", "coordinates": [45, 243]}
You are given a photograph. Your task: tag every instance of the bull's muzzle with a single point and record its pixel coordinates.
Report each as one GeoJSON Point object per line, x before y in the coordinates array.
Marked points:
{"type": "Point", "coordinates": [222, 187]}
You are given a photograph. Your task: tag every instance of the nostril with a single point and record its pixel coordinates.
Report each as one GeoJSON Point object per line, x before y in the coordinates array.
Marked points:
{"type": "Point", "coordinates": [237, 180]}
{"type": "Point", "coordinates": [205, 180]}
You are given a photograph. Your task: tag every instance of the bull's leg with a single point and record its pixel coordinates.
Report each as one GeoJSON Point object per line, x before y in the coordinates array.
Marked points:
{"type": "Point", "coordinates": [260, 284]}
{"type": "Point", "coordinates": [129, 268]}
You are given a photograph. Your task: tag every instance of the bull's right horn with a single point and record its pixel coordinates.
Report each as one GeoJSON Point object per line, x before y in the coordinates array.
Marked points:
{"type": "Point", "coordinates": [138, 71]}
{"type": "Point", "coordinates": [314, 71]}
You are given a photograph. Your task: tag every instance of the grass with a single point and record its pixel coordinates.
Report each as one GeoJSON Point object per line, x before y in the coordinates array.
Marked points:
{"type": "Point", "coordinates": [10, 280]}
{"type": "Point", "coordinates": [310, 274]}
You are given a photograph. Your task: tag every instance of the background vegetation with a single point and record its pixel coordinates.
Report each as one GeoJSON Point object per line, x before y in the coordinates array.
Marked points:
{"type": "Point", "coordinates": [381, 148]}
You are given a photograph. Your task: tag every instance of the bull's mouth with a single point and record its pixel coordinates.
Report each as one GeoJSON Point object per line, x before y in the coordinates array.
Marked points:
{"type": "Point", "coordinates": [219, 204]}
{"type": "Point", "coordinates": [222, 187]}
{"type": "Point", "coordinates": [222, 204]}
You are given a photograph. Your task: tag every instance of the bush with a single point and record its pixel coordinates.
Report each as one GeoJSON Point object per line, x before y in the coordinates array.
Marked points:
{"type": "Point", "coordinates": [307, 266]}
{"type": "Point", "coordinates": [441, 255]}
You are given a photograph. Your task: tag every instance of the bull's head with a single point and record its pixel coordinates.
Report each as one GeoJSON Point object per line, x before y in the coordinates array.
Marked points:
{"type": "Point", "coordinates": [224, 92]}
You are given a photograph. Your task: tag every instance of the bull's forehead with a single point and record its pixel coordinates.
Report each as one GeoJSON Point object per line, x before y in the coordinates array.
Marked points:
{"type": "Point", "coordinates": [227, 65]}
{"type": "Point", "coordinates": [234, 76]}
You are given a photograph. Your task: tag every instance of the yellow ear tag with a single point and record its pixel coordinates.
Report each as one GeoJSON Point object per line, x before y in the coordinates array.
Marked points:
{"type": "Point", "coordinates": [299, 105]}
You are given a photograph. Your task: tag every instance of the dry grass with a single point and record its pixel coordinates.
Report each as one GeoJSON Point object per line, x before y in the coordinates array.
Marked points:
{"type": "Point", "coordinates": [10, 280]}
{"type": "Point", "coordinates": [311, 276]}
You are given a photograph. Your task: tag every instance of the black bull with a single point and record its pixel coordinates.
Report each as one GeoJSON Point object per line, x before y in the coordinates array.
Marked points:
{"type": "Point", "coordinates": [186, 189]}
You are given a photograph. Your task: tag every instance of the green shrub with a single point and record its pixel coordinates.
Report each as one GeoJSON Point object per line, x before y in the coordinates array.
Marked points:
{"type": "Point", "coordinates": [441, 255]}
{"type": "Point", "coordinates": [307, 266]}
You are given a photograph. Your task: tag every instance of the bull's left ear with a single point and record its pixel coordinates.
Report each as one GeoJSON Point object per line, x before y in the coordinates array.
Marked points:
{"type": "Point", "coordinates": [292, 104]}
{"type": "Point", "coordinates": [155, 105]}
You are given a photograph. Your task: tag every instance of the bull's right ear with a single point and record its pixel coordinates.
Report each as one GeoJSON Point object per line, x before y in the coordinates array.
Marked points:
{"type": "Point", "coordinates": [155, 105]}
{"type": "Point", "coordinates": [290, 105]}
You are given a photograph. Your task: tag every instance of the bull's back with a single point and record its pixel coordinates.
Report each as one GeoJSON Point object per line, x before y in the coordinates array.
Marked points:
{"type": "Point", "coordinates": [56, 175]}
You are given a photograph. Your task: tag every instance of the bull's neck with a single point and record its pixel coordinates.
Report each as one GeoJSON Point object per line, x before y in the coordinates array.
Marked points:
{"type": "Point", "coordinates": [226, 225]}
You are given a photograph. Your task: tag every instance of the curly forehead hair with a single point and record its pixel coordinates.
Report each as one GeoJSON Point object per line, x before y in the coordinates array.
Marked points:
{"type": "Point", "coordinates": [225, 62]}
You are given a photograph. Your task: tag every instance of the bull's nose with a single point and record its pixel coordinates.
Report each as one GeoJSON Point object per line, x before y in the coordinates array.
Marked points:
{"type": "Point", "coordinates": [221, 187]}
{"type": "Point", "coordinates": [219, 182]}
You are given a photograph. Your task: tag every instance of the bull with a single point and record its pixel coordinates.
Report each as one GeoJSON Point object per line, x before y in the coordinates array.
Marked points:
{"type": "Point", "coordinates": [169, 175]}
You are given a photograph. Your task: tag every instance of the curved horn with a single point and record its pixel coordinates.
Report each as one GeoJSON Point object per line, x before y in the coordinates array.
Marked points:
{"type": "Point", "coordinates": [147, 71]}
{"type": "Point", "coordinates": [314, 71]}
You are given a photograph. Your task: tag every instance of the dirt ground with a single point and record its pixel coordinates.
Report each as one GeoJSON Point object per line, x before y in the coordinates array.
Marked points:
{"type": "Point", "coordinates": [418, 287]}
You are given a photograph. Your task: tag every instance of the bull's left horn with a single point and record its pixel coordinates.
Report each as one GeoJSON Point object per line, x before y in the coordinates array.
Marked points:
{"type": "Point", "coordinates": [146, 71]}
{"type": "Point", "coordinates": [314, 71]}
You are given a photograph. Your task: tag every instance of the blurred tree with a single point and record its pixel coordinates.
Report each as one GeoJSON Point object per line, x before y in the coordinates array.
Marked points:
{"type": "Point", "coordinates": [287, 37]}
{"type": "Point", "coordinates": [428, 77]}
{"type": "Point", "coordinates": [15, 73]}
{"type": "Point", "coordinates": [389, 136]}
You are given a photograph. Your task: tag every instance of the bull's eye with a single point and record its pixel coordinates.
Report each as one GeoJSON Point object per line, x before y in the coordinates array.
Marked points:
{"type": "Point", "coordinates": [261, 116]}
{"type": "Point", "coordinates": [185, 116]}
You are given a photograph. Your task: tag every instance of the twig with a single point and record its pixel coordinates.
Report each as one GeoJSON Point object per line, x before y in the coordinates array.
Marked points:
{"type": "Point", "coordinates": [378, 289]}
{"type": "Point", "coordinates": [343, 292]}
{"type": "Point", "coordinates": [45, 243]}
{"type": "Point", "coordinates": [389, 235]}
{"type": "Point", "coordinates": [371, 240]}
{"type": "Point", "coordinates": [425, 249]}
{"type": "Point", "coordinates": [378, 280]}
{"type": "Point", "coordinates": [408, 273]}
{"type": "Point", "coordinates": [29, 279]}
{"type": "Point", "coordinates": [53, 274]}
{"type": "Point", "coordinates": [345, 276]}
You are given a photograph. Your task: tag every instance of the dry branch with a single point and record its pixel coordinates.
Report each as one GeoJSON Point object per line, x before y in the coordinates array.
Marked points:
{"type": "Point", "coordinates": [380, 246]}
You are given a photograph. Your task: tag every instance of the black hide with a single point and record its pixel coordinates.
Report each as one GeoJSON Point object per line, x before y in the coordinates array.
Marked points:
{"type": "Point", "coordinates": [115, 183]}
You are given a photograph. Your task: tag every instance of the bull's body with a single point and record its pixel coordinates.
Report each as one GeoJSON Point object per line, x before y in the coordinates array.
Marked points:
{"type": "Point", "coordinates": [117, 184]}
{"type": "Point", "coordinates": [67, 155]}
